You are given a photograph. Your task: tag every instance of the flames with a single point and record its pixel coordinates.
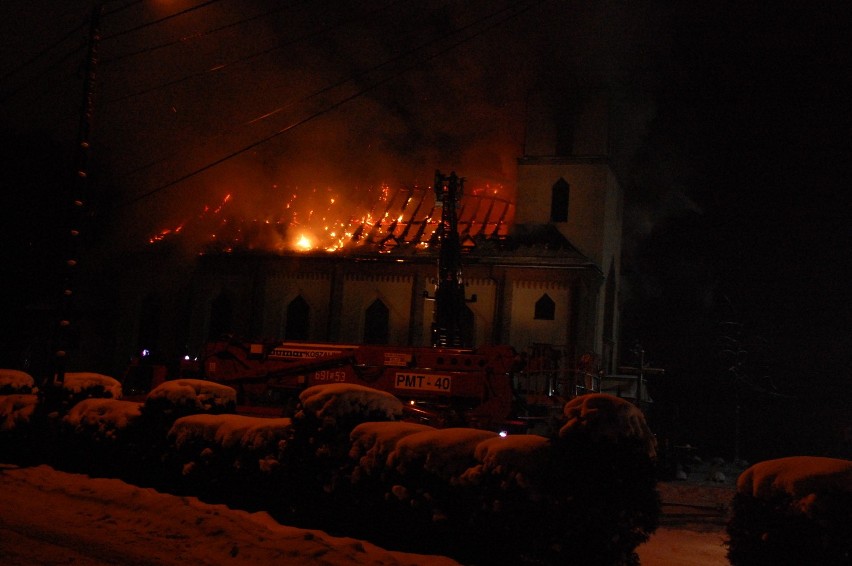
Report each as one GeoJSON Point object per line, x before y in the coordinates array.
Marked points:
{"type": "Point", "coordinates": [327, 220]}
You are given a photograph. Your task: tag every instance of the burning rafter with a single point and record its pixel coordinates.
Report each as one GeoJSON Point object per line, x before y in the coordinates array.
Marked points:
{"type": "Point", "coordinates": [313, 221]}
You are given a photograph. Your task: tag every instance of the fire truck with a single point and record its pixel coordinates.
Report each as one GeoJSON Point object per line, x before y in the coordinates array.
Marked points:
{"type": "Point", "coordinates": [439, 386]}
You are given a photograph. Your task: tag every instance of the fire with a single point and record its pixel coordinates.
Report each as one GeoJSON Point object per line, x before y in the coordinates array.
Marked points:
{"type": "Point", "coordinates": [303, 243]}
{"type": "Point", "coordinates": [316, 219]}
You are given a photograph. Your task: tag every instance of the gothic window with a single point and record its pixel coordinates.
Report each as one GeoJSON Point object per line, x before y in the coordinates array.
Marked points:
{"type": "Point", "coordinates": [376, 323]}
{"type": "Point", "coordinates": [545, 308]}
{"type": "Point", "coordinates": [297, 319]}
{"type": "Point", "coordinates": [559, 201]}
{"type": "Point", "coordinates": [221, 315]}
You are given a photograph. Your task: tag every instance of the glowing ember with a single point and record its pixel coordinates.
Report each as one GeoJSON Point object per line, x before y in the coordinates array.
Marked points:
{"type": "Point", "coordinates": [304, 243]}
{"type": "Point", "coordinates": [327, 220]}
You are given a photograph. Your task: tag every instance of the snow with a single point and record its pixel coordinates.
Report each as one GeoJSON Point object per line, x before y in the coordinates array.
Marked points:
{"type": "Point", "coordinates": [802, 477]}
{"type": "Point", "coordinates": [16, 410]}
{"type": "Point", "coordinates": [445, 452]}
{"type": "Point", "coordinates": [668, 547]}
{"type": "Point", "coordinates": [16, 381]}
{"type": "Point", "coordinates": [373, 442]}
{"type": "Point", "coordinates": [341, 399]}
{"type": "Point", "coordinates": [104, 415]}
{"type": "Point", "coordinates": [76, 382]}
{"type": "Point", "coordinates": [51, 517]}
{"type": "Point", "coordinates": [198, 393]}
{"type": "Point", "coordinates": [230, 431]}
{"type": "Point", "coordinates": [609, 418]}
{"type": "Point", "coordinates": [520, 458]}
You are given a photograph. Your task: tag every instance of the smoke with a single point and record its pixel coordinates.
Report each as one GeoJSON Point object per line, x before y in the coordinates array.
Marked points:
{"type": "Point", "coordinates": [258, 99]}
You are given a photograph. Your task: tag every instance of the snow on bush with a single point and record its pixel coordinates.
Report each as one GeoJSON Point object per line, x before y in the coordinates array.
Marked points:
{"type": "Point", "coordinates": [103, 418]}
{"type": "Point", "coordinates": [609, 418]}
{"type": "Point", "coordinates": [13, 381]}
{"type": "Point", "coordinates": [196, 395]}
{"type": "Point", "coordinates": [78, 383]}
{"type": "Point", "coordinates": [446, 453]}
{"type": "Point", "coordinates": [16, 411]}
{"type": "Point", "coordinates": [803, 478]}
{"type": "Point", "coordinates": [230, 431]}
{"type": "Point", "coordinates": [520, 460]}
{"type": "Point", "coordinates": [373, 442]}
{"type": "Point", "coordinates": [794, 510]}
{"type": "Point", "coordinates": [344, 399]}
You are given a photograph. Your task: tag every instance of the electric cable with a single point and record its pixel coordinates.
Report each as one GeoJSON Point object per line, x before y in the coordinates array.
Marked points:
{"type": "Point", "coordinates": [197, 35]}
{"type": "Point", "coordinates": [249, 57]}
{"type": "Point", "coordinates": [323, 111]}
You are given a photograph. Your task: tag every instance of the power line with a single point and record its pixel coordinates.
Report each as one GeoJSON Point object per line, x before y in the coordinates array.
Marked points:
{"type": "Point", "coordinates": [249, 57]}
{"type": "Point", "coordinates": [327, 109]}
{"type": "Point", "coordinates": [46, 50]}
{"type": "Point", "coordinates": [339, 83]}
{"type": "Point", "coordinates": [184, 39]}
{"type": "Point", "coordinates": [160, 20]}
{"type": "Point", "coordinates": [355, 77]}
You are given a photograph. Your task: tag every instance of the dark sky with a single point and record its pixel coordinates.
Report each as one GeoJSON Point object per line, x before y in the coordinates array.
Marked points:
{"type": "Point", "coordinates": [734, 150]}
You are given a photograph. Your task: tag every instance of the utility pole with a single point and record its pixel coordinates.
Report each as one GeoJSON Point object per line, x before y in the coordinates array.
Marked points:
{"type": "Point", "coordinates": [77, 207]}
{"type": "Point", "coordinates": [450, 326]}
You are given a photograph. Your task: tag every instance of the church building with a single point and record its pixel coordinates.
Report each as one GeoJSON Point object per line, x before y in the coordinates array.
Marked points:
{"type": "Point", "coordinates": [541, 272]}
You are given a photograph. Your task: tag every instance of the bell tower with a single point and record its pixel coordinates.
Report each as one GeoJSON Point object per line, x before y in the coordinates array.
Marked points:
{"type": "Point", "coordinates": [565, 180]}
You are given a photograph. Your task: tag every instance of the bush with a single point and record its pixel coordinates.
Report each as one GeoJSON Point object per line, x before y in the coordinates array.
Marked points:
{"type": "Point", "coordinates": [604, 484]}
{"type": "Point", "coordinates": [77, 386]}
{"type": "Point", "coordinates": [99, 436]}
{"type": "Point", "coordinates": [227, 457]}
{"type": "Point", "coordinates": [18, 430]}
{"type": "Point", "coordinates": [588, 497]}
{"type": "Point", "coordinates": [16, 382]}
{"type": "Point", "coordinates": [792, 511]}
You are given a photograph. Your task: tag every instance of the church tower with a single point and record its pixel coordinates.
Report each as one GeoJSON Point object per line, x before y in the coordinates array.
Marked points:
{"type": "Point", "coordinates": [565, 180]}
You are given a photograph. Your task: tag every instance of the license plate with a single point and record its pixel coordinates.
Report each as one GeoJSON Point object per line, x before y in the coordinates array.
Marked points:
{"type": "Point", "coordinates": [423, 382]}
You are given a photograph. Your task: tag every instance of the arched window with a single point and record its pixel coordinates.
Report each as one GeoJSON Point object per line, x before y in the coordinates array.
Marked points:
{"type": "Point", "coordinates": [297, 320]}
{"type": "Point", "coordinates": [376, 323]}
{"type": "Point", "coordinates": [221, 315]}
{"type": "Point", "coordinates": [545, 308]}
{"type": "Point", "coordinates": [559, 194]}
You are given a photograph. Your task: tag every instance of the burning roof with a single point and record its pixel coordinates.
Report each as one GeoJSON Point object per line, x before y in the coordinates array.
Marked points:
{"type": "Point", "coordinates": [386, 219]}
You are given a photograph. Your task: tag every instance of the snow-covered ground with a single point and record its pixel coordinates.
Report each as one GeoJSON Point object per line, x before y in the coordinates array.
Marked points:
{"type": "Point", "coordinates": [52, 517]}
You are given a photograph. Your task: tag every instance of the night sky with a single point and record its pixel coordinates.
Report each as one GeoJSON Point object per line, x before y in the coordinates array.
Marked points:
{"type": "Point", "coordinates": [733, 153]}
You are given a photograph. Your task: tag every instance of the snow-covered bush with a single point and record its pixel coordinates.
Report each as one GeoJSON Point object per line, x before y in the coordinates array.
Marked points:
{"type": "Point", "coordinates": [212, 451]}
{"type": "Point", "coordinates": [13, 381]}
{"type": "Point", "coordinates": [99, 436]}
{"type": "Point", "coordinates": [101, 419]}
{"type": "Point", "coordinates": [608, 419]}
{"type": "Point", "coordinates": [328, 415]}
{"type": "Point", "coordinates": [604, 481]}
{"type": "Point", "coordinates": [445, 453]}
{"type": "Point", "coordinates": [191, 396]}
{"type": "Point", "coordinates": [794, 510]}
{"type": "Point", "coordinates": [341, 400]}
{"type": "Point", "coordinates": [372, 443]}
{"type": "Point", "coordinates": [17, 427]}
{"type": "Point", "coordinates": [517, 461]}
{"type": "Point", "coordinates": [16, 412]}
{"type": "Point", "coordinates": [77, 386]}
